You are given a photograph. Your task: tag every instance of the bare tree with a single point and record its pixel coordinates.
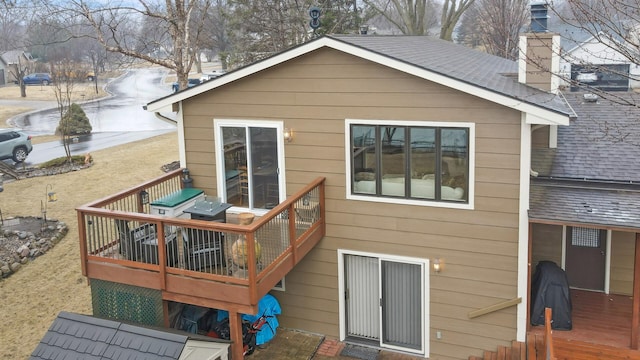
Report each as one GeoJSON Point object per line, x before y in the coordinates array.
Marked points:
{"type": "Point", "coordinates": [63, 90]}
{"type": "Point", "coordinates": [167, 37]}
{"type": "Point", "coordinates": [599, 37]}
{"type": "Point", "coordinates": [495, 26]}
{"type": "Point", "coordinates": [411, 17]}
{"type": "Point", "coordinates": [416, 17]}
{"type": "Point", "coordinates": [452, 10]}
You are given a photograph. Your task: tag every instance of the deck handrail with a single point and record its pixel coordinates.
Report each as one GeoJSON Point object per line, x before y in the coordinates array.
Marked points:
{"type": "Point", "coordinates": [98, 222]}
{"type": "Point", "coordinates": [494, 307]}
{"type": "Point", "coordinates": [548, 338]}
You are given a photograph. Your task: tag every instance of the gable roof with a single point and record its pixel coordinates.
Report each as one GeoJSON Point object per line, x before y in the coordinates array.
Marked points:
{"type": "Point", "coordinates": [12, 56]}
{"type": "Point", "coordinates": [471, 71]}
{"type": "Point", "coordinates": [75, 336]}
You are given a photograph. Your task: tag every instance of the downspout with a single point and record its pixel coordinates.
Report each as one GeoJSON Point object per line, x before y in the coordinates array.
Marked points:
{"type": "Point", "coordinates": [523, 228]}
{"type": "Point", "coordinates": [165, 119]}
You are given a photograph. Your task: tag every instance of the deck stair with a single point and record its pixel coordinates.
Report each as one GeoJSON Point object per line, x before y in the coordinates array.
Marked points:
{"type": "Point", "coordinates": [517, 351]}
{"type": "Point", "coordinates": [564, 350]}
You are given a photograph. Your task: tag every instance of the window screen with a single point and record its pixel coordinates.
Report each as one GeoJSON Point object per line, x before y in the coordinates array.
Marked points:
{"type": "Point", "coordinates": [585, 237]}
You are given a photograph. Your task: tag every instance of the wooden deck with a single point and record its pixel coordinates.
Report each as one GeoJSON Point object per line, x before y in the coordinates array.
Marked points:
{"type": "Point", "coordinates": [120, 242]}
{"type": "Point", "coordinates": [601, 328]}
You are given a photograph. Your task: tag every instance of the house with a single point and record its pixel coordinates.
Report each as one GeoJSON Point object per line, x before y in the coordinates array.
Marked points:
{"type": "Point", "coordinates": [77, 336]}
{"type": "Point", "coordinates": [351, 104]}
{"type": "Point", "coordinates": [14, 60]}
{"type": "Point", "coordinates": [390, 178]}
{"type": "Point", "coordinates": [584, 208]}
{"type": "Point", "coordinates": [590, 56]}
{"type": "Point", "coordinates": [3, 71]}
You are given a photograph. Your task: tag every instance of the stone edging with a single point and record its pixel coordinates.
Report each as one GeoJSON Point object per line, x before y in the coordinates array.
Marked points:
{"type": "Point", "coordinates": [18, 247]}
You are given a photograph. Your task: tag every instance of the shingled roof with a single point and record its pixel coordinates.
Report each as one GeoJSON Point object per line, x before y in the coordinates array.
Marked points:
{"type": "Point", "coordinates": [461, 63]}
{"type": "Point", "coordinates": [477, 73]}
{"type": "Point", "coordinates": [75, 336]}
{"type": "Point", "coordinates": [593, 176]}
{"type": "Point", "coordinates": [601, 144]}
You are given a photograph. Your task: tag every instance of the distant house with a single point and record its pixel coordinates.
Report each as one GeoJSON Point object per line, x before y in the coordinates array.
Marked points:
{"type": "Point", "coordinates": [595, 61]}
{"type": "Point", "coordinates": [13, 60]}
{"type": "Point", "coordinates": [3, 71]}
{"type": "Point", "coordinates": [76, 336]}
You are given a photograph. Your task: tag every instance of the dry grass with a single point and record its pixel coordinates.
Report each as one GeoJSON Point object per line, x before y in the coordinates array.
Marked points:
{"type": "Point", "coordinates": [80, 91]}
{"type": "Point", "coordinates": [32, 297]}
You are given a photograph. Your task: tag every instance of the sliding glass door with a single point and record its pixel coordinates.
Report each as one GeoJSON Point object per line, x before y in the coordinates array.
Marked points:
{"type": "Point", "coordinates": [250, 161]}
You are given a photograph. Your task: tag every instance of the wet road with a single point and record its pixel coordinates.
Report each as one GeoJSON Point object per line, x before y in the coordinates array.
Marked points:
{"type": "Point", "coordinates": [116, 120]}
{"type": "Point", "coordinates": [122, 112]}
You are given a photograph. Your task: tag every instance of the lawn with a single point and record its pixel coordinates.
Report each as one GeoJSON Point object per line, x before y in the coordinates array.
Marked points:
{"type": "Point", "coordinates": [32, 297]}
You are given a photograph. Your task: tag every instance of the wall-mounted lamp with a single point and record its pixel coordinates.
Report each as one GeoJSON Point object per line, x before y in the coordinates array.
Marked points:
{"type": "Point", "coordinates": [144, 197]}
{"type": "Point", "coordinates": [51, 195]}
{"type": "Point", "coordinates": [288, 134]}
{"type": "Point", "coordinates": [436, 265]}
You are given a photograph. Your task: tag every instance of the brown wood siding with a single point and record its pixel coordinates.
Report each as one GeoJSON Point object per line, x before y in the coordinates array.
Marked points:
{"type": "Point", "coordinates": [622, 257]}
{"type": "Point", "coordinates": [547, 244]}
{"type": "Point", "coordinates": [314, 94]}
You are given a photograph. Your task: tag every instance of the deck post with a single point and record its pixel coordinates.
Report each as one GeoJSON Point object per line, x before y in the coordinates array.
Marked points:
{"type": "Point", "coordinates": [235, 328]}
{"type": "Point", "coordinates": [635, 311]}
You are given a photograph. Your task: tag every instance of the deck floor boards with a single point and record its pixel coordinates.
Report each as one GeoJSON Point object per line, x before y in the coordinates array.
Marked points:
{"type": "Point", "coordinates": [601, 328]}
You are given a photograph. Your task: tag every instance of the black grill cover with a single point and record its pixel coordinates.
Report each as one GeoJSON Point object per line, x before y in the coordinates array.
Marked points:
{"type": "Point", "coordinates": [550, 288]}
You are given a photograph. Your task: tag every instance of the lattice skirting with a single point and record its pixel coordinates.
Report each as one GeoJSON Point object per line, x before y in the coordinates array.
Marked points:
{"type": "Point", "coordinates": [126, 303]}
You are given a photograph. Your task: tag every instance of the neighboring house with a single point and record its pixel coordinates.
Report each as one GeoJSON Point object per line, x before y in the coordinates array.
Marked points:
{"type": "Point", "coordinates": [597, 62]}
{"type": "Point", "coordinates": [13, 60]}
{"type": "Point", "coordinates": [76, 336]}
{"type": "Point", "coordinates": [3, 71]}
{"type": "Point", "coordinates": [426, 150]}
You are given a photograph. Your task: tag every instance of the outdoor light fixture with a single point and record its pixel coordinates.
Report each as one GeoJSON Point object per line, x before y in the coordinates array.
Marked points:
{"type": "Point", "coordinates": [436, 265]}
{"type": "Point", "coordinates": [288, 134]}
{"type": "Point", "coordinates": [51, 195]}
{"type": "Point", "coordinates": [144, 197]}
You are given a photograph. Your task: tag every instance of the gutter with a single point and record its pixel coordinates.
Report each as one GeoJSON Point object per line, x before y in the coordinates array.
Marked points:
{"type": "Point", "coordinates": [164, 118]}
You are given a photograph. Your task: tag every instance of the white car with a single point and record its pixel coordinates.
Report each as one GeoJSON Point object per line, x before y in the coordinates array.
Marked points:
{"type": "Point", "coordinates": [211, 75]}
{"type": "Point", "coordinates": [587, 77]}
{"type": "Point", "coordinates": [14, 144]}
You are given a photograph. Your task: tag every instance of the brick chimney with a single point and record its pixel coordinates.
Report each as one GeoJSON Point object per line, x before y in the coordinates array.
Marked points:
{"type": "Point", "coordinates": [539, 52]}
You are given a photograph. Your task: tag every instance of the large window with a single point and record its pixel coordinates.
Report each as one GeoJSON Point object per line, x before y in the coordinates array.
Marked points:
{"type": "Point", "coordinates": [417, 162]}
{"type": "Point", "coordinates": [250, 158]}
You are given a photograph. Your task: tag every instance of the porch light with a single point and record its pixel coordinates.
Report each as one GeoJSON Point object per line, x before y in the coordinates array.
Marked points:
{"type": "Point", "coordinates": [144, 197]}
{"type": "Point", "coordinates": [288, 134]}
{"type": "Point", "coordinates": [436, 265]}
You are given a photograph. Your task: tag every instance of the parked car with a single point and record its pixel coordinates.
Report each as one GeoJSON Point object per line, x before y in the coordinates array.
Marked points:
{"type": "Point", "coordinates": [14, 144]}
{"type": "Point", "coordinates": [37, 79]}
{"type": "Point", "coordinates": [587, 77]}
{"type": "Point", "coordinates": [211, 75]}
{"type": "Point", "coordinates": [190, 83]}
{"type": "Point", "coordinates": [91, 76]}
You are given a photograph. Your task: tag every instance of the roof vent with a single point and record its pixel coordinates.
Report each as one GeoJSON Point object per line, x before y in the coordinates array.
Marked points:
{"type": "Point", "coordinates": [539, 16]}
{"type": "Point", "coordinates": [591, 98]}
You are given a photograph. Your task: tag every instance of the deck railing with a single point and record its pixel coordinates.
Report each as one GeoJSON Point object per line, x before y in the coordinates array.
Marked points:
{"type": "Point", "coordinates": [548, 338]}
{"type": "Point", "coordinates": [119, 231]}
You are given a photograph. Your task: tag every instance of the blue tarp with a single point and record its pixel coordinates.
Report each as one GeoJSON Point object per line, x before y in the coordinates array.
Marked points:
{"type": "Point", "coordinates": [268, 306]}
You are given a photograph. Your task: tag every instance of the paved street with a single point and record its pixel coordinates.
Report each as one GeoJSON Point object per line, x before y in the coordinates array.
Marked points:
{"type": "Point", "coordinates": [115, 120]}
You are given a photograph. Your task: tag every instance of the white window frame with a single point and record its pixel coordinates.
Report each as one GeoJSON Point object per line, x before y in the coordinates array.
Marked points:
{"type": "Point", "coordinates": [444, 204]}
{"type": "Point", "coordinates": [424, 263]}
{"type": "Point", "coordinates": [218, 124]}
